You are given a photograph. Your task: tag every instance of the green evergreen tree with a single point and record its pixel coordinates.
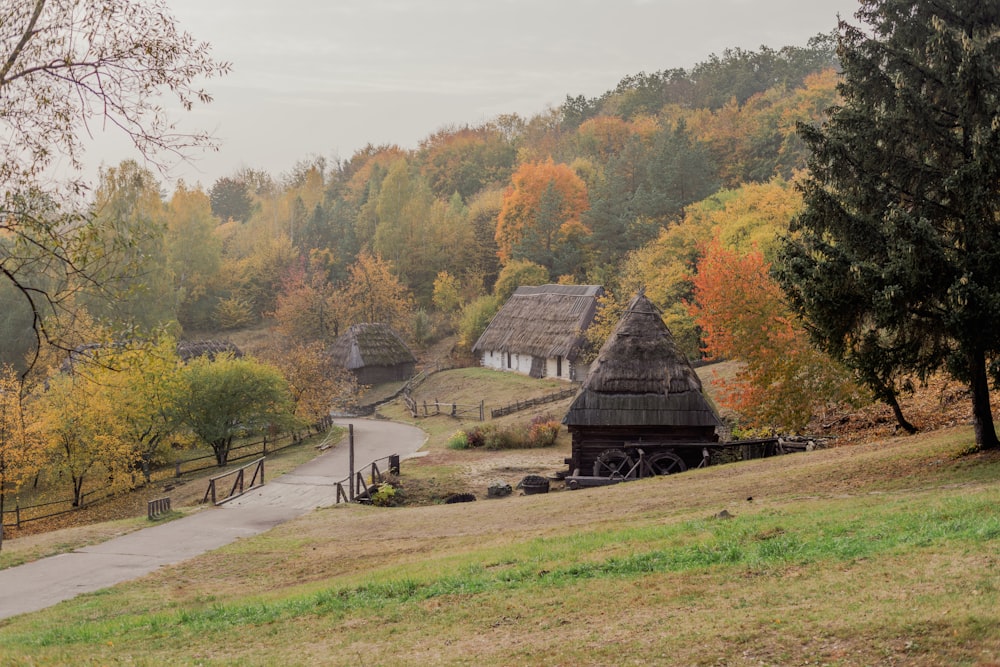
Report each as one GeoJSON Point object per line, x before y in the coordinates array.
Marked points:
{"type": "Point", "coordinates": [895, 262]}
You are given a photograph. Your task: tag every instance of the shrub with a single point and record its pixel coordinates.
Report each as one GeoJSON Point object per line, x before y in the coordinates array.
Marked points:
{"type": "Point", "coordinates": [497, 438]}
{"type": "Point", "coordinates": [474, 319]}
{"type": "Point", "coordinates": [543, 431]}
{"type": "Point", "coordinates": [385, 496]}
{"type": "Point", "coordinates": [460, 440]}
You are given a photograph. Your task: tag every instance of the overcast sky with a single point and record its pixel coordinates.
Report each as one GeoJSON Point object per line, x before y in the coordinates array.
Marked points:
{"type": "Point", "coordinates": [327, 77]}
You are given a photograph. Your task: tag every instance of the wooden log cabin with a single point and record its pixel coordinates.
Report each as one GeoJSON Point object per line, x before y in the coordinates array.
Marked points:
{"type": "Point", "coordinates": [640, 393]}
{"type": "Point", "coordinates": [374, 354]}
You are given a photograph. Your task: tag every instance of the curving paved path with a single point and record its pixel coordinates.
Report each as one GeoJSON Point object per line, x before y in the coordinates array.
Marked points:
{"type": "Point", "coordinates": [45, 582]}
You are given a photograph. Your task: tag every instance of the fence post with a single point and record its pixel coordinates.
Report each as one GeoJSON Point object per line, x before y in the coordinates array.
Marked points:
{"type": "Point", "coordinates": [17, 515]}
{"type": "Point", "coordinates": [350, 457]}
{"type": "Point", "coordinates": [482, 413]}
{"type": "Point", "coordinates": [394, 464]}
{"type": "Point", "coordinates": [177, 469]}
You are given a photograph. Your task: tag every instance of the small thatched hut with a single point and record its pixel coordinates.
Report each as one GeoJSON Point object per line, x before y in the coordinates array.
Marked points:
{"type": "Point", "coordinates": [641, 392]}
{"type": "Point", "coordinates": [539, 331]}
{"type": "Point", "coordinates": [374, 353]}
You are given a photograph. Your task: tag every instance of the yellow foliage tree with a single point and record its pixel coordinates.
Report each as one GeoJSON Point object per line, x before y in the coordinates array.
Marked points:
{"type": "Point", "coordinates": [745, 219]}
{"type": "Point", "coordinates": [144, 385]}
{"type": "Point", "coordinates": [372, 293]}
{"type": "Point", "coordinates": [21, 453]}
{"type": "Point", "coordinates": [194, 254]}
{"type": "Point", "coordinates": [74, 418]}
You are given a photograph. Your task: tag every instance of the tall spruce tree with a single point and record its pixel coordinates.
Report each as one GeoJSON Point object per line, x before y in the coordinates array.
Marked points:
{"type": "Point", "coordinates": [895, 262]}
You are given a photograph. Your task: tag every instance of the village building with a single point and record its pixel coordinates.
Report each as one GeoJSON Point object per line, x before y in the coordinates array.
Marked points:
{"type": "Point", "coordinates": [539, 331]}
{"type": "Point", "coordinates": [641, 395]}
{"type": "Point", "coordinates": [374, 354]}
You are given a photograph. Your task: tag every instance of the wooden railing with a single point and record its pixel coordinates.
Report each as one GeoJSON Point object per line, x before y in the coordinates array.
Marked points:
{"type": "Point", "coordinates": [239, 486]}
{"type": "Point", "coordinates": [355, 488]}
{"type": "Point", "coordinates": [155, 508]}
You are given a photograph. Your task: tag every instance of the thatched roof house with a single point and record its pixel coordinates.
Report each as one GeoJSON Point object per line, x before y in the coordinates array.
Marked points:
{"type": "Point", "coordinates": [539, 331]}
{"type": "Point", "coordinates": [641, 389]}
{"type": "Point", "coordinates": [374, 353]}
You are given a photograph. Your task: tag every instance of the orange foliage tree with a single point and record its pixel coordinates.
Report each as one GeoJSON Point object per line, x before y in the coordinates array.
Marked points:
{"type": "Point", "coordinates": [741, 311]}
{"type": "Point", "coordinates": [541, 211]}
{"type": "Point", "coordinates": [316, 383]}
{"type": "Point", "coordinates": [307, 308]}
{"type": "Point", "coordinates": [751, 217]}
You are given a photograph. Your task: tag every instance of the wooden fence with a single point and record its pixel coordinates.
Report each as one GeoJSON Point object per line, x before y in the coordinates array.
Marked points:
{"type": "Point", "coordinates": [357, 489]}
{"type": "Point", "coordinates": [455, 410]}
{"type": "Point", "coordinates": [532, 402]}
{"type": "Point", "coordinates": [19, 516]}
{"type": "Point", "coordinates": [239, 486]}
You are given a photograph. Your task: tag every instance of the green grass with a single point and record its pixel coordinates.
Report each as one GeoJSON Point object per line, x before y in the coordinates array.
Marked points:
{"type": "Point", "coordinates": [758, 543]}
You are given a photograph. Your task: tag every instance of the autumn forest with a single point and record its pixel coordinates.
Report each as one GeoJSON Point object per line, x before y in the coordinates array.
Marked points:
{"type": "Point", "coordinates": [673, 181]}
{"type": "Point", "coordinates": [679, 182]}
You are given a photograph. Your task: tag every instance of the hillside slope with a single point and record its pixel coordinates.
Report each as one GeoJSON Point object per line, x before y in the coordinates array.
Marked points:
{"type": "Point", "coordinates": [876, 554]}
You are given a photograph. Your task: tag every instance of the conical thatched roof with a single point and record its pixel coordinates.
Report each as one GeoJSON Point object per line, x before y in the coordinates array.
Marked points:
{"type": "Point", "coordinates": [543, 321]}
{"type": "Point", "coordinates": [371, 344]}
{"type": "Point", "coordinates": [641, 378]}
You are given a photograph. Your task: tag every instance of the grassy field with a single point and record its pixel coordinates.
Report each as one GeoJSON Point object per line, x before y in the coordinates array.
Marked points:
{"type": "Point", "coordinates": [881, 554]}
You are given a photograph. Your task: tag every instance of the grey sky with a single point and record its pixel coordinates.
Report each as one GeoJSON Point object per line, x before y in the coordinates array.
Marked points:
{"type": "Point", "coordinates": [314, 77]}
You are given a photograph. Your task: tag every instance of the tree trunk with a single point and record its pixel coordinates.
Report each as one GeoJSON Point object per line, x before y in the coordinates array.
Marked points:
{"type": "Point", "coordinates": [898, 413]}
{"type": "Point", "coordinates": [885, 392]}
{"type": "Point", "coordinates": [221, 449]}
{"type": "Point", "coordinates": [982, 415]}
{"type": "Point", "coordinates": [77, 491]}
{"type": "Point", "coordinates": [221, 452]}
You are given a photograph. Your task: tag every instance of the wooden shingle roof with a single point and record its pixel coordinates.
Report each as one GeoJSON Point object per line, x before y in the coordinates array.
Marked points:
{"type": "Point", "coordinates": [641, 378]}
{"type": "Point", "coordinates": [542, 321]}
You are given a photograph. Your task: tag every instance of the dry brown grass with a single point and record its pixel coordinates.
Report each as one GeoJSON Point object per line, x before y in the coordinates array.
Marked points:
{"type": "Point", "coordinates": [359, 541]}
{"type": "Point", "coordinates": [927, 606]}
{"type": "Point", "coordinates": [934, 602]}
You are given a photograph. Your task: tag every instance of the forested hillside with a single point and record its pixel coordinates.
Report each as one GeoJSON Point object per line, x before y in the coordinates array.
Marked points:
{"type": "Point", "coordinates": [678, 180]}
